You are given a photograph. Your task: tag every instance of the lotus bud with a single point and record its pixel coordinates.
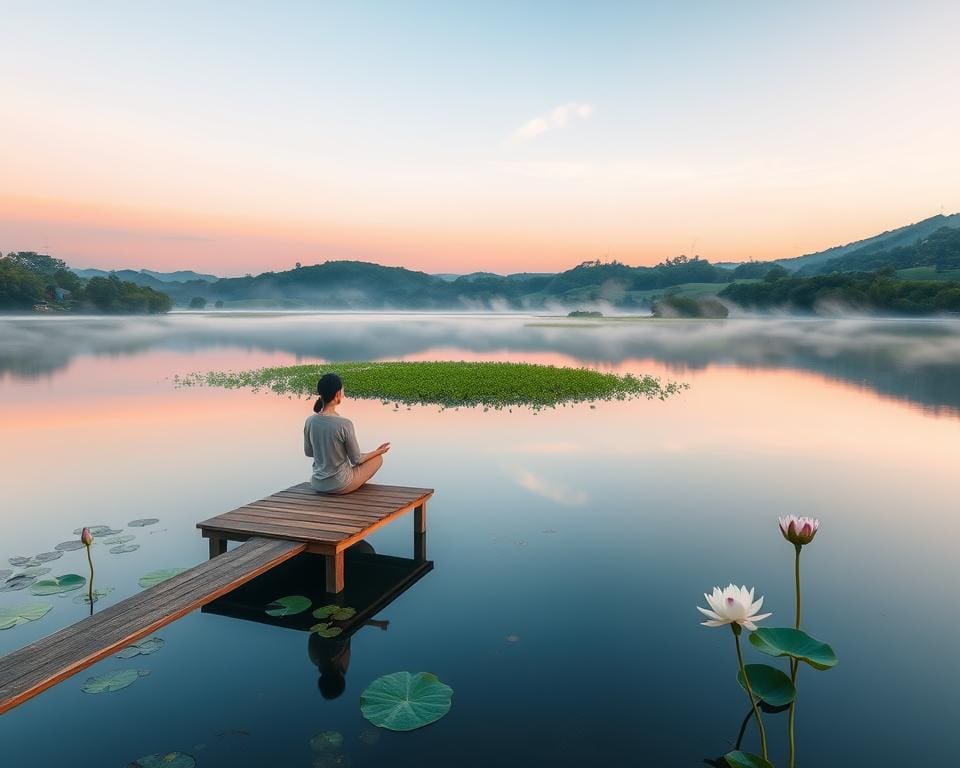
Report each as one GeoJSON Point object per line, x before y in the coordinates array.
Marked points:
{"type": "Point", "coordinates": [799, 530]}
{"type": "Point", "coordinates": [86, 537]}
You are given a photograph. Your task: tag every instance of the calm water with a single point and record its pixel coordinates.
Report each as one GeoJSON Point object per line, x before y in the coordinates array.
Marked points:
{"type": "Point", "coordinates": [570, 547]}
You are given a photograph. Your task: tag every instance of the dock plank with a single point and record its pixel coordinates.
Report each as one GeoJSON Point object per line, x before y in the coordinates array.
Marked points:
{"type": "Point", "coordinates": [42, 664]}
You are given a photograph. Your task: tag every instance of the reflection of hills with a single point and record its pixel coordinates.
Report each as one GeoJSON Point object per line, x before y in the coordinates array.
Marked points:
{"type": "Point", "coordinates": [914, 360]}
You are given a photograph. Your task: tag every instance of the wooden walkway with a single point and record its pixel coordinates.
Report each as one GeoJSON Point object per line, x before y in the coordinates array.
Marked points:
{"type": "Point", "coordinates": [40, 665]}
{"type": "Point", "coordinates": [327, 525]}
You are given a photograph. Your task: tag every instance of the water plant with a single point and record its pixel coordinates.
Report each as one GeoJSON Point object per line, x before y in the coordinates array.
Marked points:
{"type": "Point", "coordinates": [87, 539]}
{"type": "Point", "coordinates": [448, 383]}
{"type": "Point", "coordinates": [735, 606]}
{"type": "Point", "coordinates": [403, 701]}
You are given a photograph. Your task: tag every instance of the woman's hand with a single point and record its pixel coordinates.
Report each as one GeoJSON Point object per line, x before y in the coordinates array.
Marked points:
{"type": "Point", "coordinates": [384, 447]}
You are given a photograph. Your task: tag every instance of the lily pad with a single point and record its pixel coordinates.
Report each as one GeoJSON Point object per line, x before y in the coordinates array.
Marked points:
{"type": "Point", "coordinates": [23, 562]}
{"type": "Point", "coordinates": [69, 546]}
{"type": "Point", "coordinates": [288, 606]}
{"type": "Point", "coordinates": [113, 681]}
{"type": "Point", "coordinates": [5, 574]}
{"type": "Point", "coordinates": [123, 548]}
{"type": "Point", "coordinates": [326, 741]}
{"type": "Point", "coordinates": [769, 684]}
{"type": "Point", "coordinates": [143, 522]}
{"type": "Point", "coordinates": [169, 760]}
{"type": "Point", "coordinates": [21, 614]}
{"type": "Point", "coordinates": [740, 759]}
{"type": "Point", "coordinates": [66, 583]}
{"type": "Point", "coordinates": [97, 530]}
{"type": "Point", "coordinates": [143, 648]}
{"type": "Point", "coordinates": [325, 629]}
{"type": "Point", "coordinates": [156, 577]}
{"type": "Point", "coordinates": [18, 582]}
{"type": "Point", "coordinates": [119, 539]}
{"type": "Point", "coordinates": [335, 612]}
{"type": "Point", "coordinates": [46, 557]}
{"type": "Point", "coordinates": [402, 701]}
{"type": "Point", "coordinates": [84, 599]}
{"type": "Point", "coordinates": [36, 571]}
{"type": "Point", "coordinates": [784, 641]}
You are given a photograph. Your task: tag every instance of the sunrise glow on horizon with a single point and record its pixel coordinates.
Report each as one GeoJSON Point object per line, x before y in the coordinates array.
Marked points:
{"type": "Point", "coordinates": [447, 137]}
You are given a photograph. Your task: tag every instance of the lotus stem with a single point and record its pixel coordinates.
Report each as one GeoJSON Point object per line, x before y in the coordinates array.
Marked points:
{"type": "Point", "coordinates": [794, 666]}
{"type": "Point", "coordinates": [90, 584]}
{"type": "Point", "coordinates": [746, 684]}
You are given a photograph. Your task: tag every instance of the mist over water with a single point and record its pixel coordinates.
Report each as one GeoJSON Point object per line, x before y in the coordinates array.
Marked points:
{"type": "Point", "coordinates": [909, 359]}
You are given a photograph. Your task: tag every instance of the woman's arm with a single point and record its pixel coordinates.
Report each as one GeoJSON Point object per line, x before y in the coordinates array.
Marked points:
{"type": "Point", "coordinates": [307, 445]}
{"type": "Point", "coordinates": [378, 452]}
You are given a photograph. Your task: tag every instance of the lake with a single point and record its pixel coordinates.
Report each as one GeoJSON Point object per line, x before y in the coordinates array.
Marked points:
{"type": "Point", "coordinates": [570, 546]}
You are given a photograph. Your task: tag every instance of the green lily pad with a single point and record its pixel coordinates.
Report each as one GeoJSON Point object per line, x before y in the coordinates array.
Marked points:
{"type": "Point", "coordinates": [69, 546]}
{"type": "Point", "coordinates": [113, 681]}
{"type": "Point", "coordinates": [156, 577]}
{"type": "Point", "coordinates": [84, 599]}
{"type": "Point", "coordinates": [288, 606]}
{"type": "Point", "coordinates": [770, 684]}
{"type": "Point", "coordinates": [66, 583]}
{"type": "Point", "coordinates": [325, 629]}
{"type": "Point", "coordinates": [21, 614]}
{"type": "Point", "coordinates": [143, 522]}
{"type": "Point", "coordinates": [143, 648]}
{"type": "Point", "coordinates": [118, 539]}
{"type": "Point", "coordinates": [326, 741]}
{"type": "Point", "coordinates": [784, 641]}
{"type": "Point", "coordinates": [335, 612]}
{"type": "Point", "coordinates": [740, 759]}
{"type": "Point", "coordinates": [403, 701]}
{"type": "Point", "coordinates": [169, 760]}
{"type": "Point", "coordinates": [46, 557]}
{"type": "Point", "coordinates": [123, 548]}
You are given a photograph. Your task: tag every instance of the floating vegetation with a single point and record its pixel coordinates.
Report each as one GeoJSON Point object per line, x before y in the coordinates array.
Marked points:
{"type": "Point", "coordinates": [5, 574]}
{"type": "Point", "coordinates": [114, 681]}
{"type": "Point", "coordinates": [88, 599]}
{"type": "Point", "coordinates": [143, 648]}
{"type": "Point", "coordinates": [369, 736]}
{"type": "Point", "coordinates": [46, 557]}
{"type": "Point", "coordinates": [143, 522]}
{"type": "Point", "coordinates": [69, 546]}
{"type": "Point", "coordinates": [122, 548]}
{"type": "Point", "coordinates": [332, 760]}
{"type": "Point", "coordinates": [99, 530]}
{"type": "Point", "coordinates": [403, 701]}
{"type": "Point", "coordinates": [169, 760]}
{"type": "Point", "coordinates": [66, 583]}
{"type": "Point", "coordinates": [18, 582]}
{"type": "Point", "coordinates": [36, 571]}
{"type": "Point", "coordinates": [288, 606]}
{"type": "Point", "coordinates": [335, 612]}
{"type": "Point", "coordinates": [118, 539]}
{"type": "Point", "coordinates": [449, 384]}
{"type": "Point", "coordinates": [326, 741]}
{"type": "Point", "coordinates": [326, 629]}
{"type": "Point", "coordinates": [21, 562]}
{"type": "Point", "coordinates": [21, 614]}
{"type": "Point", "coordinates": [156, 577]}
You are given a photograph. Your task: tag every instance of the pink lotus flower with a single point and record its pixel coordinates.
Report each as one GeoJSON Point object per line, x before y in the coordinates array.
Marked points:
{"type": "Point", "coordinates": [733, 605]}
{"type": "Point", "coordinates": [799, 530]}
{"type": "Point", "coordinates": [86, 537]}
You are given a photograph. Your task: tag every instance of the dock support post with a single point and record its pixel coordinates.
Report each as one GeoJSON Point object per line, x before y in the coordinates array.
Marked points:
{"type": "Point", "coordinates": [334, 572]}
{"type": "Point", "coordinates": [218, 545]}
{"type": "Point", "coordinates": [420, 533]}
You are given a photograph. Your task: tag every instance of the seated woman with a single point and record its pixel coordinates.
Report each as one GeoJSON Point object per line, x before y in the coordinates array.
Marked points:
{"type": "Point", "coordinates": [338, 465]}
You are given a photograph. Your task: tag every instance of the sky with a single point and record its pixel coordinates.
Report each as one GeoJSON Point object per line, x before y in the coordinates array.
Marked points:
{"type": "Point", "coordinates": [235, 137]}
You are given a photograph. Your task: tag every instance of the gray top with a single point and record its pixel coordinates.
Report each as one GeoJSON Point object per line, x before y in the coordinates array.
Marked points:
{"type": "Point", "coordinates": [331, 442]}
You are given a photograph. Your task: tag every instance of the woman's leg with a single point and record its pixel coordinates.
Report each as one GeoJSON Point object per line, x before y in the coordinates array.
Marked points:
{"type": "Point", "coordinates": [362, 474]}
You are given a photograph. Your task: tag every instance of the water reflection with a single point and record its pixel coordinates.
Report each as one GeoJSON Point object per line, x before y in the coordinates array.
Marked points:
{"type": "Point", "coordinates": [913, 360]}
{"type": "Point", "coordinates": [373, 582]}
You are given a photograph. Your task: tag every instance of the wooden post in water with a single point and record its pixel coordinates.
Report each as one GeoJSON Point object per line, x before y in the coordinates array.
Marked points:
{"type": "Point", "coordinates": [218, 546]}
{"type": "Point", "coordinates": [334, 572]}
{"type": "Point", "coordinates": [420, 533]}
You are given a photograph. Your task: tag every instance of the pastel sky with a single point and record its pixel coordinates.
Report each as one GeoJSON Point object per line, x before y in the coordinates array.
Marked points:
{"type": "Point", "coordinates": [239, 137]}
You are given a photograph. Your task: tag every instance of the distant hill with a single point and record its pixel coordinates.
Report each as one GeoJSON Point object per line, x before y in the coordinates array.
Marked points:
{"type": "Point", "coordinates": [901, 236]}
{"type": "Point", "coordinates": [140, 277]}
{"type": "Point", "coordinates": [939, 251]}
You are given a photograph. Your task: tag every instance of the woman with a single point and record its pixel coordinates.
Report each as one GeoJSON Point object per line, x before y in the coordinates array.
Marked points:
{"type": "Point", "coordinates": [338, 465]}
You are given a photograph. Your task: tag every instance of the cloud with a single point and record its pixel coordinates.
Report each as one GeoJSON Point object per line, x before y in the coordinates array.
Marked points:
{"type": "Point", "coordinates": [555, 118]}
{"type": "Point", "coordinates": [553, 491]}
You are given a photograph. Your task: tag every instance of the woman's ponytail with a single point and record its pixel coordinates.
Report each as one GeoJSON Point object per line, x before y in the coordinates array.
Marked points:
{"type": "Point", "coordinates": [327, 388]}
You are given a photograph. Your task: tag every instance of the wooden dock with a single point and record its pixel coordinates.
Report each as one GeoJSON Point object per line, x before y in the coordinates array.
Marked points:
{"type": "Point", "coordinates": [274, 529]}
{"type": "Point", "coordinates": [328, 525]}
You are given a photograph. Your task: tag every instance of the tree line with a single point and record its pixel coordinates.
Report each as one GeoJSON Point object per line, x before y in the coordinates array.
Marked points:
{"type": "Point", "coordinates": [34, 281]}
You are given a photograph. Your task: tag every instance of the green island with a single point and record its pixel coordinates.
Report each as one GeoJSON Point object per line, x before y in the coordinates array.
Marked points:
{"type": "Point", "coordinates": [448, 384]}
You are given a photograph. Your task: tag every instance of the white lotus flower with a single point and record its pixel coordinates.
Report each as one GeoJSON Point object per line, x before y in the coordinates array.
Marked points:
{"type": "Point", "coordinates": [799, 530]}
{"type": "Point", "coordinates": [733, 605]}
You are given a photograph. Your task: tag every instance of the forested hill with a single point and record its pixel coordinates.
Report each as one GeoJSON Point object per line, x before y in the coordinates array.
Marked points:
{"type": "Point", "coordinates": [359, 285]}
